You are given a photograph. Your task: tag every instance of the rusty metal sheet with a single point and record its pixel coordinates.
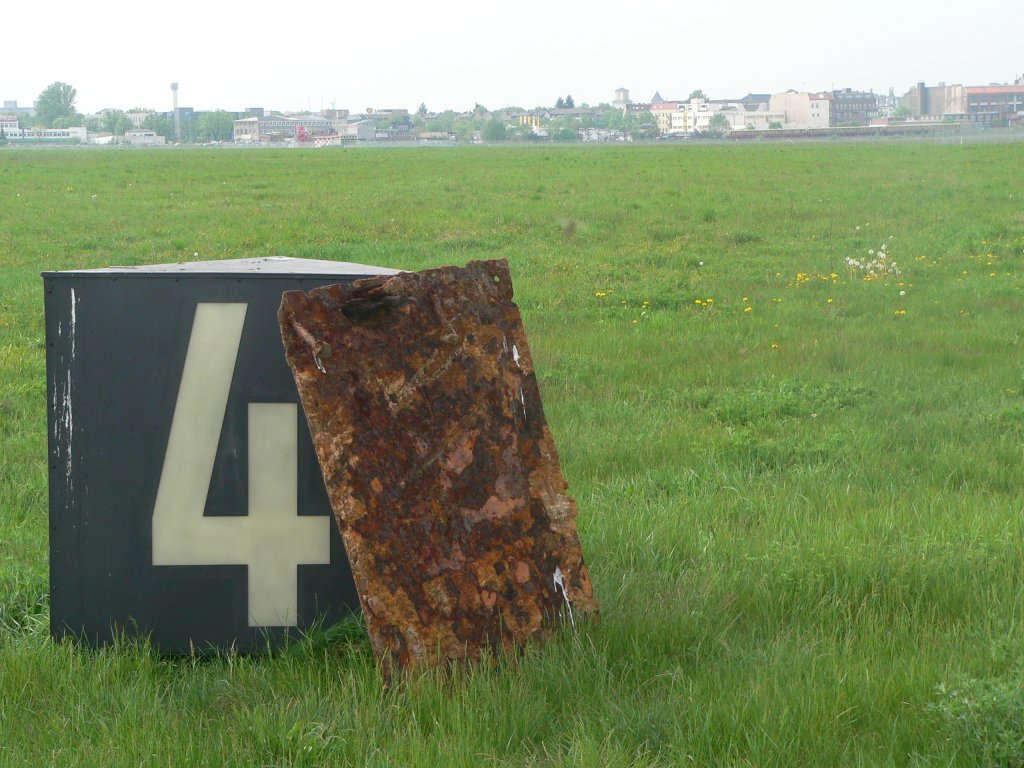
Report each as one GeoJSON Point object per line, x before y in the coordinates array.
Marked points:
{"type": "Point", "coordinates": [443, 475]}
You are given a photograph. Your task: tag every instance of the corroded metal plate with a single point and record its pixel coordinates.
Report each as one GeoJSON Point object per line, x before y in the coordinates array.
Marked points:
{"type": "Point", "coordinates": [443, 476]}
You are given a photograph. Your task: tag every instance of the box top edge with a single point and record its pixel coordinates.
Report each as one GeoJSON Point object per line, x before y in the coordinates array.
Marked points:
{"type": "Point", "coordinates": [269, 266]}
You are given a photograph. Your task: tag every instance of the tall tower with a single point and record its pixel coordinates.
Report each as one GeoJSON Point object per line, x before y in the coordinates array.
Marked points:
{"type": "Point", "coordinates": [622, 100]}
{"type": "Point", "coordinates": [177, 114]}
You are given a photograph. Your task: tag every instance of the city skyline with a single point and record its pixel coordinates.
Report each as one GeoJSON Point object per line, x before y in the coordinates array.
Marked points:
{"type": "Point", "coordinates": [527, 55]}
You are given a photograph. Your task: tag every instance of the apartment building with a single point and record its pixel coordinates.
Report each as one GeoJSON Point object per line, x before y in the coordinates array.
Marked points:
{"type": "Point", "coordinates": [850, 107]}
{"type": "Point", "coordinates": [802, 109]}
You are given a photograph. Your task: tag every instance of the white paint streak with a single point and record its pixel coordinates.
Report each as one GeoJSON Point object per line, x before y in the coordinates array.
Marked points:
{"type": "Point", "coordinates": [68, 414]}
{"type": "Point", "coordinates": [74, 322]}
{"type": "Point", "coordinates": [560, 585]}
{"type": "Point", "coordinates": [515, 355]}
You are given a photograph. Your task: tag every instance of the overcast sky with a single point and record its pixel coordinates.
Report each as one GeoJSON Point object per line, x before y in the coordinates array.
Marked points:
{"type": "Point", "coordinates": [455, 53]}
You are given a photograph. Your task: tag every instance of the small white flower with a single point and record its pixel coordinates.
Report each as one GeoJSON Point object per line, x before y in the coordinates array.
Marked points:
{"type": "Point", "coordinates": [701, 264]}
{"type": "Point", "coordinates": [196, 254]}
{"type": "Point", "coordinates": [903, 293]}
{"type": "Point", "coordinates": [871, 251]}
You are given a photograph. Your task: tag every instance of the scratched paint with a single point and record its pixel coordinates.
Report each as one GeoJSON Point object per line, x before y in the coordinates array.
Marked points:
{"type": "Point", "coordinates": [61, 401]}
{"type": "Point", "coordinates": [442, 472]}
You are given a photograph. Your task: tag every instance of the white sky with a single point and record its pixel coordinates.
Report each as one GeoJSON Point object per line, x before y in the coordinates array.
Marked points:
{"type": "Point", "coordinates": [453, 53]}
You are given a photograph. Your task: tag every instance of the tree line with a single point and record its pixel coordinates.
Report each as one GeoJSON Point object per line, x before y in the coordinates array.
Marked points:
{"type": "Point", "coordinates": [55, 108]}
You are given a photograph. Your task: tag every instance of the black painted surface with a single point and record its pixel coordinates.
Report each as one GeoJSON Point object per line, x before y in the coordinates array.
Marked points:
{"type": "Point", "coordinates": [124, 361]}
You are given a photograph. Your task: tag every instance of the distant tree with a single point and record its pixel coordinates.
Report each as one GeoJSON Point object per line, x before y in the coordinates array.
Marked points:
{"type": "Point", "coordinates": [3, 137]}
{"type": "Point", "coordinates": [698, 94]}
{"type": "Point", "coordinates": [443, 122]}
{"type": "Point", "coordinates": [112, 119]}
{"type": "Point", "coordinates": [494, 130]}
{"type": "Point", "coordinates": [422, 110]}
{"type": "Point", "coordinates": [189, 128]}
{"type": "Point", "coordinates": [523, 133]}
{"type": "Point", "coordinates": [902, 111]}
{"type": "Point", "coordinates": [564, 129]}
{"type": "Point", "coordinates": [569, 103]}
{"type": "Point", "coordinates": [480, 109]}
{"type": "Point", "coordinates": [69, 121]}
{"type": "Point", "coordinates": [163, 126]}
{"type": "Point", "coordinates": [646, 127]}
{"type": "Point", "coordinates": [57, 100]}
{"type": "Point", "coordinates": [774, 124]}
{"type": "Point", "coordinates": [718, 125]}
{"type": "Point", "coordinates": [560, 104]}
{"type": "Point", "coordinates": [624, 123]}
{"type": "Point", "coordinates": [216, 126]}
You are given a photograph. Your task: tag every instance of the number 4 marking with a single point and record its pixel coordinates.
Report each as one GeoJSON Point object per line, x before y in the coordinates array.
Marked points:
{"type": "Point", "coordinates": [273, 539]}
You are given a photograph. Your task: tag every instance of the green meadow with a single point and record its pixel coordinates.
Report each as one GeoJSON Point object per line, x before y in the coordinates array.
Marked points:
{"type": "Point", "coordinates": [800, 479]}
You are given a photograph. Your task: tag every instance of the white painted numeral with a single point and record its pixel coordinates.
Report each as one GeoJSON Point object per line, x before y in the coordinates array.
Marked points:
{"type": "Point", "coordinates": [273, 539]}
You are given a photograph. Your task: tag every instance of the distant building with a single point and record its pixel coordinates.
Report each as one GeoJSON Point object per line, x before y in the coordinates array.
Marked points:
{"type": "Point", "coordinates": [935, 101]}
{"type": "Point", "coordinates": [142, 137]}
{"type": "Point", "coordinates": [536, 119]}
{"type": "Point", "coordinates": [663, 111]}
{"type": "Point", "coordinates": [532, 120]}
{"type": "Point", "coordinates": [46, 135]}
{"type": "Point", "coordinates": [850, 107]}
{"type": "Point", "coordinates": [12, 108]}
{"type": "Point", "coordinates": [983, 104]}
{"type": "Point", "coordinates": [621, 101]}
{"type": "Point", "coordinates": [137, 118]}
{"type": "Point", "coordinates": [802, 109]}
{"type": "Point", "coordinates": [755, 100]}
{"type": "Point", "coordinates": [1007, 101]}
{"type": "Point", "coordinates": [695, 115]}
{"type": "Point", "coordinates": [280, 127]}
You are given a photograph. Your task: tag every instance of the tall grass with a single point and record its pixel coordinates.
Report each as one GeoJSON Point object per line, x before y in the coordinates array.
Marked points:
{"type": "Point", "coordinates": [800, 491]}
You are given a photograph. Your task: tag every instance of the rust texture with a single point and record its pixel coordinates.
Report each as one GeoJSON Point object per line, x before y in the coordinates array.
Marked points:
{"type": "Point", "coordinates": [443, 476]}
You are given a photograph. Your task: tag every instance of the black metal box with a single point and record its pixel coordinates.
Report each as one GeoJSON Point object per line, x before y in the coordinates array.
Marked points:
{"type": "Point", "coordinates": [186, 502]}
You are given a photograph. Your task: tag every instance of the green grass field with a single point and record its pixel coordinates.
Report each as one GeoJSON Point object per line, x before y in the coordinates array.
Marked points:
{"type": "Point", "coordinates": [800, 490]}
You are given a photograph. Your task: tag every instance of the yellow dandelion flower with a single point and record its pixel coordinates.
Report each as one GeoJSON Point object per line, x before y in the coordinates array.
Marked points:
{"type": "Point", "coordinates": [774, 345]}
{"type": "Point", "coordinates": [600, 294]}
{"type": "Point", "coordinates": [635, 322]}
{"type": "Point", "coordinates": [748, 309]}
{"type": "Point", "coordinates": [709, 301]}
{"type": "Point", "coordinates": [698, 302]}
{"type": "Point", "coordinates": [829, 301]}
{"type": "Point", "coordinates": [745, 299]}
